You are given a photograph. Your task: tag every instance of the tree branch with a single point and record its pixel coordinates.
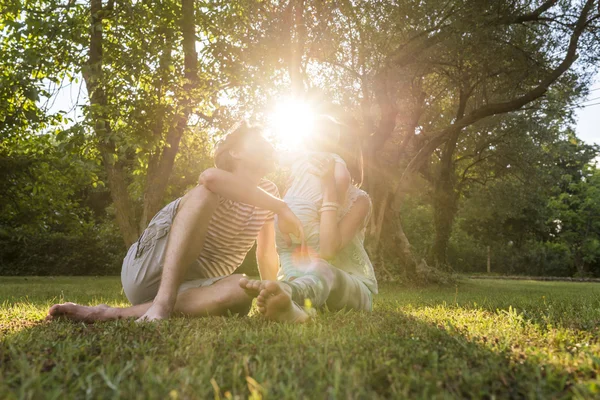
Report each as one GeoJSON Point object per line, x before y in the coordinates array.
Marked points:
{"type": "Point", "coordinates": [507, 106]}
{"type": "Point", "coordinates": [535, 14]}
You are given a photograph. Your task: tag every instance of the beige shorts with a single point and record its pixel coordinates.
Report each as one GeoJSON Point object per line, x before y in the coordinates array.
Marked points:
{"type": "Point", "coordinates": [143, 264]}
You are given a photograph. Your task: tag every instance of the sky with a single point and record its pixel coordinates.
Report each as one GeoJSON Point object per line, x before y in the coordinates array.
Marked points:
{"type": "Point", "coordinates": [588, 117]}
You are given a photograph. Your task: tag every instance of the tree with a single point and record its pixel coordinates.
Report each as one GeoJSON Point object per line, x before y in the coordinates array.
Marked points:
{"type": "Point", "coordinates": [442, 69]}
{"type": "Point", "coordinates": [575, 218]}
{"type": "Point", "coordinates": [444, 90]}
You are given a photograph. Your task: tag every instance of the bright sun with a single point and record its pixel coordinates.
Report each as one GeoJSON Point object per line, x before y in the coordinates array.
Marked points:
{"type": "Point", "coordinates": [290, 121]}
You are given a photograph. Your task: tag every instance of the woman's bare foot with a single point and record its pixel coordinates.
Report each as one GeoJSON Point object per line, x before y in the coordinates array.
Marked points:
{"type": "Point", "coordinates": [275, 303]}
{"type": "Point", "coordinates": [251, 286]}
{"type": "Point", "coordinates": [76, 312]}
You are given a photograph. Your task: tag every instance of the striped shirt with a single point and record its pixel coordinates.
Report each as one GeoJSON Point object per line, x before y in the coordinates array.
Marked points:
{"type": "Point", "coordinates": [231, 233]}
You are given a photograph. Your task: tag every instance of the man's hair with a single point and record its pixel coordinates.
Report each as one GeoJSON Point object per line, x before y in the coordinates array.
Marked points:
{"type": "Point", "coordinates": [233, 140]}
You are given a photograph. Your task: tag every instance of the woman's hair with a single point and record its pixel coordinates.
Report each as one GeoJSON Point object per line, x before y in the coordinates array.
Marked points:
{"type": "Point", "coordinates": [342, 138]}
{"type": "Point", "coordinates": [233, 140]}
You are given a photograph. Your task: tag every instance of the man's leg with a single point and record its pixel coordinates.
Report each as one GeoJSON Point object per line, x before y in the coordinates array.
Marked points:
{"type": "Point", "coordinates": [185, 242]}
{"type": "Point", "coordinates": [221, 298]}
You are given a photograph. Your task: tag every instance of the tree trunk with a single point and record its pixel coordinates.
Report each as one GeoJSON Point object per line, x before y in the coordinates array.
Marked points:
{"type": "Point", "coordinates": [376, 140]}
{"type": "Point", "coordinates": [445, 197]}
{"type": "Point", "coordinates": [116, 175]}
{"type": "Point", "coordinates": [158, 176]}
{"type": "Point", "coordinates": [445, 204]}
{"type": "Point", "coordinates": [381, 208]}
{"type": "Point", "coordinates": [404, 251]}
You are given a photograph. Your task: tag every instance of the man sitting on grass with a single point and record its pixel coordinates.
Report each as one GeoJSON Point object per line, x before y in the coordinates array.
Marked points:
{"type": "Point", "coordinates": [184, 260]}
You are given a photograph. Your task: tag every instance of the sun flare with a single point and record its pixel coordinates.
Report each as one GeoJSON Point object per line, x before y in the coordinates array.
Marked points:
{"type": "Point", "coordinates": [290, 121]}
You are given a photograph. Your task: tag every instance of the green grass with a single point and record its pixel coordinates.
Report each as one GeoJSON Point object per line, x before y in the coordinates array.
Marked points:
{"type": "Point", "coordinates": [481, 339]}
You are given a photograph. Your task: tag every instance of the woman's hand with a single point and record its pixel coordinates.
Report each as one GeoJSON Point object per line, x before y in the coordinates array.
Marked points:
{"type": "Point", "coordinates": [290, 224]}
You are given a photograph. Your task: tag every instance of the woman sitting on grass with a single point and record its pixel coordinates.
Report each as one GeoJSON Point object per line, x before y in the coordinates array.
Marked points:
{"type": "Point", "coordinates": [334, 270]}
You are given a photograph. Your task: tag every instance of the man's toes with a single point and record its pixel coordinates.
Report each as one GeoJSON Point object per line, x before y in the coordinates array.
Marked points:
{"type": "Point", "coordinates": [262, 310]}
{"type": "Point", "coordinates": [244, 283]}
{"type": "Point", "coordinates": [60, 309]}
{"type": "Point", "coordinates": [54, 310]}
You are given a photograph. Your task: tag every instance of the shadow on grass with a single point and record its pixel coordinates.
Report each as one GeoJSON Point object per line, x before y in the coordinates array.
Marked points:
{"type": "Point", "coordinates": [385, 354]}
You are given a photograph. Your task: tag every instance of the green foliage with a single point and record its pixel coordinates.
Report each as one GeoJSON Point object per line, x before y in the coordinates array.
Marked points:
{"type": "Point", "coordinates": [53, 213]}
{"type": "Point", "coordinates": [94, 250]}
{"type": "Point", "coordinates": [38, 40]}
{"type": "Point", "coordinates": [575, 219]}
{"type": "Point", "coordinates": [408, 71]}
{"type": "Point", "coordinates": [41, 184]}
{"type": "Point", "coordinates": [480, 339]}
{"type": "Point", "coordinates": [538, 217]}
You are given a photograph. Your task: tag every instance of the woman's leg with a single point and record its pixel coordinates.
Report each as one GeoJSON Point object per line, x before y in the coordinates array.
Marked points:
{"type": "Point", "coordinates": [315, 284]}
{"type": "Point", "coordinates": [321, 283]}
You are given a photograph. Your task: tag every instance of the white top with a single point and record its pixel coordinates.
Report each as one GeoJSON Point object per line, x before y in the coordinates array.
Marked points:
{"type": "Point", "coordinates": [305, 187]}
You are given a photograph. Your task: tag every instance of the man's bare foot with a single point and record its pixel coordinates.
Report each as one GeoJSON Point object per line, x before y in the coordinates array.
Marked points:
{"type": "Point", "coordinates": [251, 286]}
{"type": "Point", "coordinates": [156, 312]}
{"type": "Point", "coordinates": [76, 312]}
{"type": "Point", "coordinates": [275, 303]}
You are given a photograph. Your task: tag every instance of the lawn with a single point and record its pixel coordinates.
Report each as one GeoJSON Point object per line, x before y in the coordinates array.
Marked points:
{"type": "Point", "coordinates": [502, 339]}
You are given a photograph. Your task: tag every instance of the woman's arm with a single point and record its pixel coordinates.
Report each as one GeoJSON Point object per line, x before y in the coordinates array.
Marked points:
{"type": "Point", "coordinates": [335, 235]}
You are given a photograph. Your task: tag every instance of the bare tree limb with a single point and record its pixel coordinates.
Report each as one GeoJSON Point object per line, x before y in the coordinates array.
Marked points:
{"type": "Point", "coordinates": [507, 106]}
{"type": "Point", "coordinates": [535, 14]}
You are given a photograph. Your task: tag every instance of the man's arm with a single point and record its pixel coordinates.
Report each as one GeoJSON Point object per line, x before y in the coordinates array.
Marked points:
{"type": "Point", "coordinates": [237, 189]}
{"type": "Point", "coordinates": [266, 252]}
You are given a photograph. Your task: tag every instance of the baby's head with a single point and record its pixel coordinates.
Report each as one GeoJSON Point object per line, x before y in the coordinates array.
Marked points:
{"type": "Point", "coordinates": [342, 138]}
{"type": "Point", "coordinates": [325, 135]}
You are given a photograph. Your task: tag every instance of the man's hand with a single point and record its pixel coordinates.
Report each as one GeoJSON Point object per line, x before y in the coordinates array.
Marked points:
{"type": "Point", "coordinates": [156, 312]}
